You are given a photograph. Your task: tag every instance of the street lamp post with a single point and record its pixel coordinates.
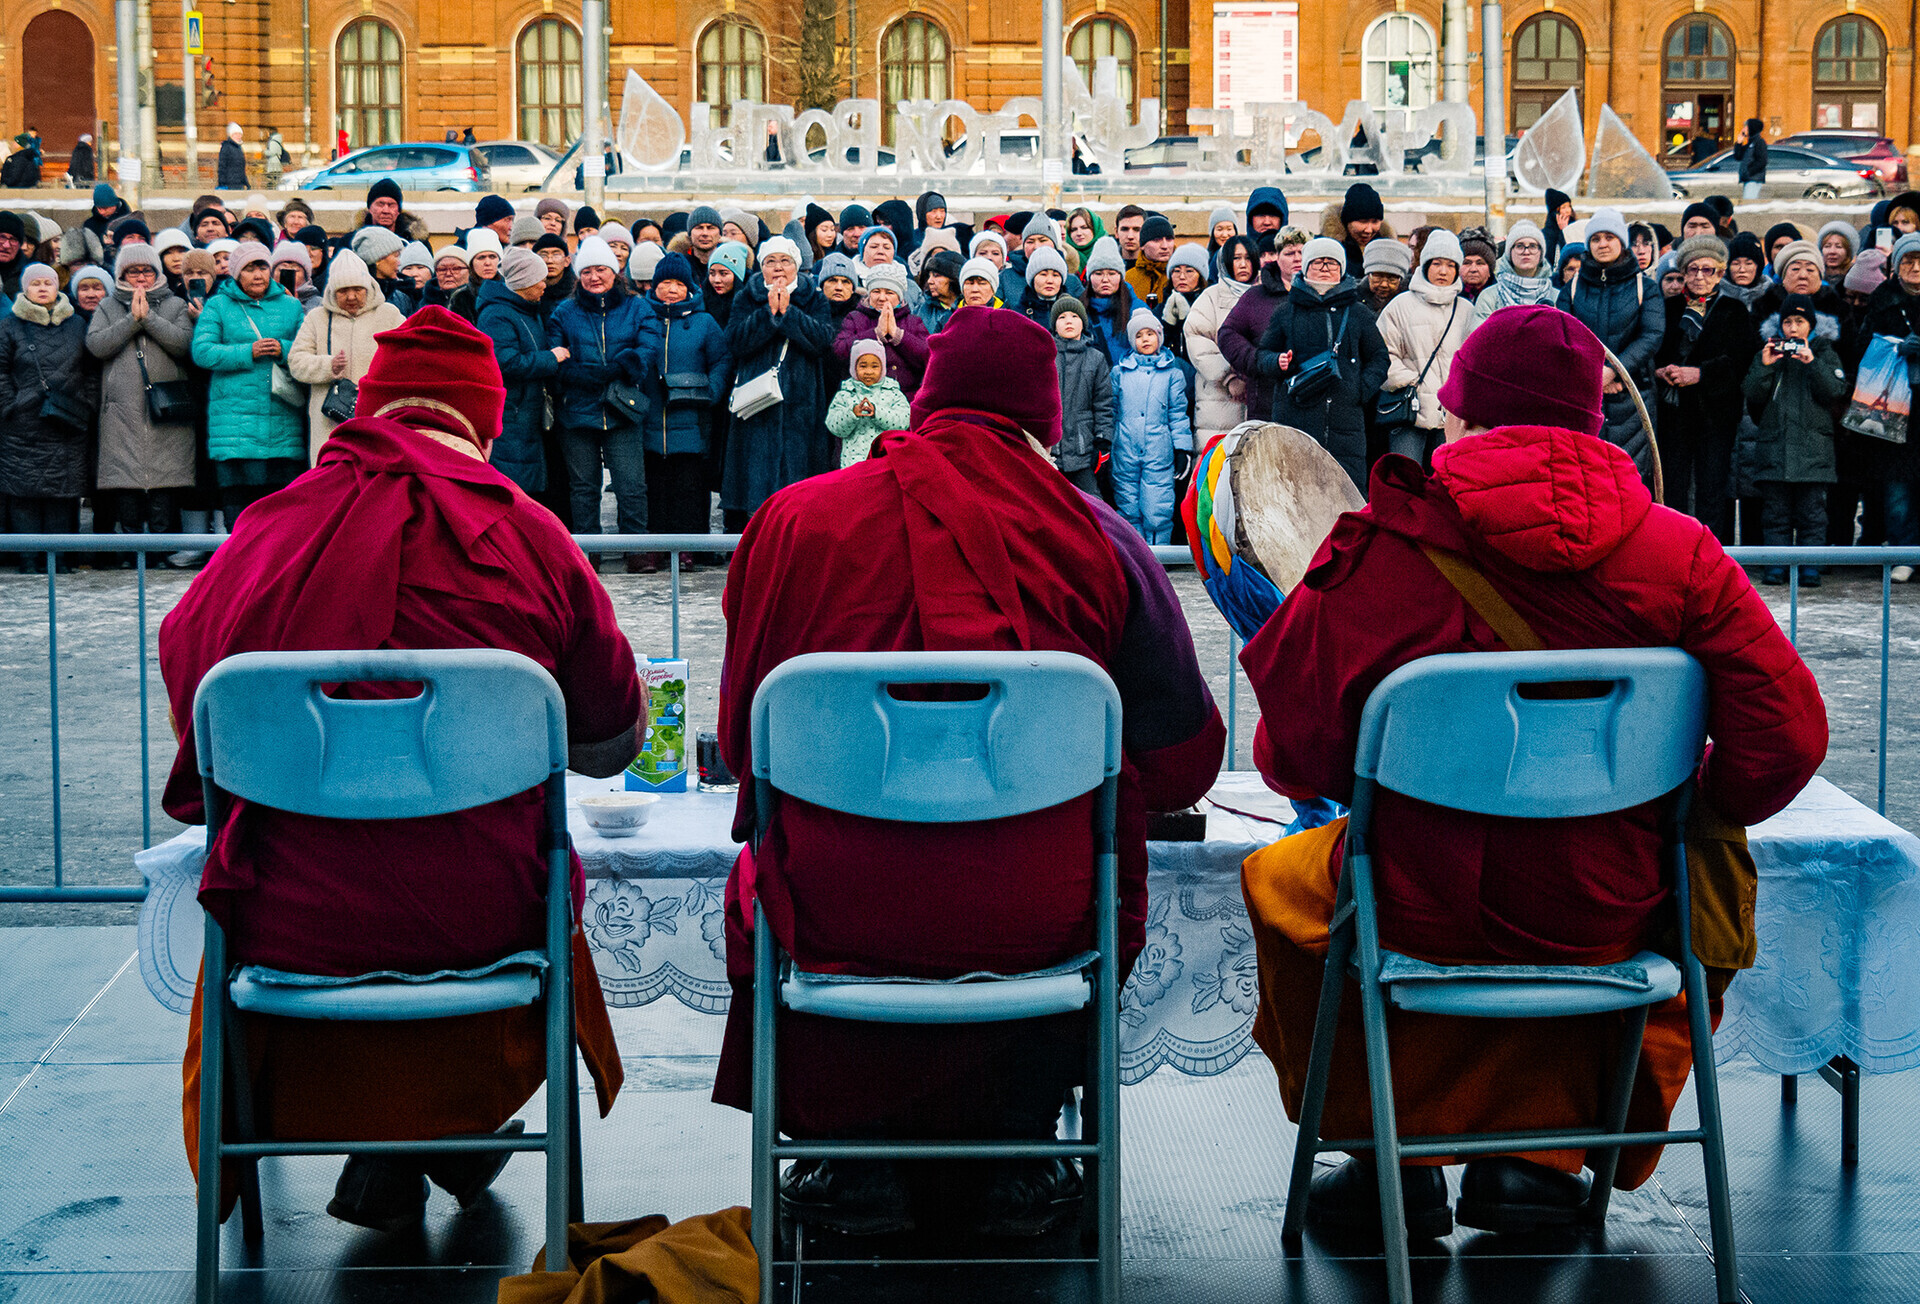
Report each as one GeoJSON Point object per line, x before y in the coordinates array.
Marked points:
{"type": "Point", "coordinates": [189, 99]}
{"type": "Point", "coordinates": [126, 40]}
{"type": "Point", "coordinates": [1493, 117]}
{"type": "Point", "coordinates": [1053, 144]}
{"type": "Point", "coordinates": [593, 71]}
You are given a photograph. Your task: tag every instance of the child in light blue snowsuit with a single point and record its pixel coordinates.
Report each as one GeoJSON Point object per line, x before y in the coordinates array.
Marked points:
{"type": "Point", "coordinates": [1149, 427]}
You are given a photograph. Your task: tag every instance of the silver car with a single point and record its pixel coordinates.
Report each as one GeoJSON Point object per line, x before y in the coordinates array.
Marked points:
{"type": "Point", "coordinates": [1791, 174]}
{"type": "Point", "coordinates": [521, 165]}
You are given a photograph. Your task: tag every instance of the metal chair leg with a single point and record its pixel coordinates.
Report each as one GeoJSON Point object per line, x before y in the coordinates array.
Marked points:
{"type": "Point", "coordinates": [1620, 1096]}
{"type": "Point", "coordinates": [1319, 1067]}
{"type": "Point", "coordinates": [766, 1210]}
{"type": "Point", "coordinates": [1706, 1086]}
{"type": "Point", "coordinates": [251, 1229]}
{"type": "Point", "coordinates": [576, 1171]}
{"type": "Point", "coordinates": [1386, 1144]}
{"type": "Point", "coordinates": [1106, 1112]}
{"type": "Point", "coordinates": [212, 1113]}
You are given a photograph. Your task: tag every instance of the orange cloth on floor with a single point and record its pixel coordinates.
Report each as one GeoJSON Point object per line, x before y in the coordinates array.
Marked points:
{"type": "Point", "coordinates": [318, 1079]}
{"type": "Point", "coordinates": [1450, 1075]}
{"type": "Point", "coordinates": [703, 1260]}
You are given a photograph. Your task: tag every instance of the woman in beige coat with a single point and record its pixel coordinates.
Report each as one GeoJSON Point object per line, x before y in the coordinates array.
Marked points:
{"type": "Point", "coordinates": [1220, 395]}
{"type": "Point", "coordinates": [1423, 329]}
{"type": "Point", "coordinates": [144, 468]}
{"type": "Point", "coordinates": [336, 340]}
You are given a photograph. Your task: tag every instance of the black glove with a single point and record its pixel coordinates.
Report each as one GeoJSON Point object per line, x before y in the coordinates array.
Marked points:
{"type": "Point", "coordinates": [1182, 465]}
{"type": "Point", "coordinates": [1909, 348]}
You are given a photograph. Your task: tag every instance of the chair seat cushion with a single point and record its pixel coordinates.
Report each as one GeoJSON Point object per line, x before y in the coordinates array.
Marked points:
{"type": "Point", "coordinates": [1523, 991]}
{"type": "Point", "coordinates": [971, 998]}
{"type": "Point", "coordinates": [391, 996]}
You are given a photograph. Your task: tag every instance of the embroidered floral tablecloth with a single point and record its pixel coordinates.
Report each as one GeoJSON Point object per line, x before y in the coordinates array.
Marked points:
{"type": "Point", "coordinates": [1838, 917]}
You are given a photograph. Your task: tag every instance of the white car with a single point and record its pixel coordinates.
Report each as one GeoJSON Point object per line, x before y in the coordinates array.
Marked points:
{"type": "Point", "coordinates": [522, 165]}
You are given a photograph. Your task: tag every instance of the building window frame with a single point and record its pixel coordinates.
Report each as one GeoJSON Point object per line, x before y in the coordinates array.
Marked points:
{"type": "Point", "coordinates": [1839, 92]}
{"type": "Point", "coordinates": [1400, 64]}
{"type": "Point", "coordinates": [549, 88]}
{"type": "Point", "coordinates": [1102, 35]}
{"type": "Point", "coordinates": [370, 122]}
{"type": "Point", "coordinates": [729, 63]}
{"type": "Point", "coordinates": [916, 63]}
{"type": "Point", "coordinates": [1536, 94]}
{"type": "Point", "coordinates": [1698, 56]}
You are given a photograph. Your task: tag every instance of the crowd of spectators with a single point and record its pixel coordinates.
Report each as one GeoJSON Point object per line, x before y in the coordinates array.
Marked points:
{"type": "Point", "coordinates": [174, 376]}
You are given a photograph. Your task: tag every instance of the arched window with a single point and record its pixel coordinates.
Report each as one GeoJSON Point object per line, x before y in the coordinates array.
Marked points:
{"type": "Point", "coordinates": [1849, 76]}
{"type": "Point", "coordinates": [1696, 81]}
{"type": "Point", "coordinates": [370, 108]}
{"type": "Point", "coordinates": [1549, 59]}
{"type": "Point", "coordinates": [550, 86]}
{"type": "Point", "coordinates": [913, 66]}
{"type": "Point", "coordinates": [1097, 38]}
{"type": "Point", "coordinates": [1398, 68]}
{"type": "Point", "coordinates": [733, 65]}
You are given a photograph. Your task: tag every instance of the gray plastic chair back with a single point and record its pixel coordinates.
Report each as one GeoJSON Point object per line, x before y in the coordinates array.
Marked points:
{"type": "Point", "coordinates": [486, 725]}
{"type": "Point", "coordinates": [827, 730]}
{"type": "Point", "coordinates": [1457, 730]}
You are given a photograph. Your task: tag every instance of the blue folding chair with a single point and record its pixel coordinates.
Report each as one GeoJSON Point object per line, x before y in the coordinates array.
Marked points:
{"type": "Point", "coordinates": [828, 730]}
{"type": "Point", "coordinates": [486, 725]}
{"type": "Point", "coordinates": [1470, 732]}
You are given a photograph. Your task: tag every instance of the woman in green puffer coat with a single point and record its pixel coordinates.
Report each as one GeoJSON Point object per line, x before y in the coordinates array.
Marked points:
{"type": "Point", "coordinates": [258, 443]}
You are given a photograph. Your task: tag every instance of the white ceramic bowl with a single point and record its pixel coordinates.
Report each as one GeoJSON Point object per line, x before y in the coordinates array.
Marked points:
{"type": "Point", "coordinates": [617, 814]}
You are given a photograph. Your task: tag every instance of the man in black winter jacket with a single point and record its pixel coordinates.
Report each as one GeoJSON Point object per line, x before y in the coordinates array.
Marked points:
{"type": "Point", "coordinates": [1751, 150]}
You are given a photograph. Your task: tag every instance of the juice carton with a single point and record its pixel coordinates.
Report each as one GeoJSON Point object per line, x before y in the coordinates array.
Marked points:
{"type": "Point", "coordinates": [661, 765]}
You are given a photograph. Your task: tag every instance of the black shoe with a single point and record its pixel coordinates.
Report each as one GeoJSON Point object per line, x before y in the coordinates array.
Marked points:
{"type": "Point", "coordinates": [1774, 575]}
{"type": "Point", "coordinates": [1029, 1197]}
{"type": "Point", "coordinates": [1514, 1195]}
{"type": "Point", "coordinates": [857, 1197]}
{"type": "Point", "coordinates": [1809, 577]}
{"type": "Point", "coordinates": [384, 1195]}
{"type": "Point", "coordinates": [467, 1177]}
{"type": "Point", "coordinates": [1346, 1200]}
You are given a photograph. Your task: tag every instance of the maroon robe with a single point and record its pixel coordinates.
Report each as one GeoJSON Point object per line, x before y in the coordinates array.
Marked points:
{"type": "Point", "coordinates": [1561, 526]}
{"type": "Point", "coordinates": [396, 541]}
{"type": "Point", "coordinates": [957, 536]}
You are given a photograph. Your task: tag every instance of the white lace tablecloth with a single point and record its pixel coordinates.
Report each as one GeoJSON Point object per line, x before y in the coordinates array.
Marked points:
{"type": "Point", "coordinates": [1838, 919]}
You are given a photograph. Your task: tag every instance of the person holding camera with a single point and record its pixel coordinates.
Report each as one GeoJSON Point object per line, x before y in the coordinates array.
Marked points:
{"type": "Point", "coordinates": [1791, 390]}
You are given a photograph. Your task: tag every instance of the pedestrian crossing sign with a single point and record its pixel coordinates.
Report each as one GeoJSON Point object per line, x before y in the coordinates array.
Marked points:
{"type": "Point", "coordinates": [195, 40]}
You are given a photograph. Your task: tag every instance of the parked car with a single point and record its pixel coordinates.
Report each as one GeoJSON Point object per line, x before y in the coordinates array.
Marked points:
{"type": "Point", "coordinates": [413, 166]}
{"type": "Point", "coordinates": [1863, 147]}
{"type": "Point", "coordinates": [518, 164]}
{"type": "Point", "coordinates": [1791, 174]}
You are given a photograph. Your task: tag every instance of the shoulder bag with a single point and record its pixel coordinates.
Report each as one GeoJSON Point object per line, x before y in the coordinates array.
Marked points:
{"type": "Point", "coordinates": [57, 406]}
{"type": "Point", "coordinates": [1401, 407]}
{"type": "Point", "coordinates": [688, 389]}
{"type": "Point", "coordinates": [1721, 877]}
{"type": "Point", "coordinates": [1318, 373]}
{"type": "Point", "coordinates": [285, 387]}
{"type": "Point", "coordinates": [169, 402]}
{"type": "Point", "coordinates": [342, 394]}
{"type": "Point", "coordinates": [762, 392]}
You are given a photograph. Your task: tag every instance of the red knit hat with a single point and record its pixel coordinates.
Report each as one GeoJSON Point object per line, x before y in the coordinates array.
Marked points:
{"type": "Point", "coordinates": [1531, 366]}
{"type": "Point", "coordinates": [993, 360]}
{"type": "Point", "coordinates": [440, 370]}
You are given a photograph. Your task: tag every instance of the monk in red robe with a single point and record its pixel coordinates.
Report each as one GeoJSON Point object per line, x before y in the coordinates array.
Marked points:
{"type": "Point", "coordinates": [1562, 528]}
{"type": "Point", "coordinates": [402, 537]}
{"type": "Point", "coordinates": [958, 534]}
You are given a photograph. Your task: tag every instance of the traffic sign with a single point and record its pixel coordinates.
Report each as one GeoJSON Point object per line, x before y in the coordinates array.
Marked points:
{"type": "Point", "coordinates": [195, 38]}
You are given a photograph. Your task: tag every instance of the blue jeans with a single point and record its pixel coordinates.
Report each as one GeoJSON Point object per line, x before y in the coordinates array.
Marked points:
{"type": "Point", "coordinates": [1750, 190]}
{"type": "Point", "coordinates": [623, 453]}
{"type": "Point", "coordinates": [1903, 525]}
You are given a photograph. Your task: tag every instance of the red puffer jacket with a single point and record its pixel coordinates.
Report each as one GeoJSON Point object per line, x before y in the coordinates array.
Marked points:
{"type": "Point", "coordinates": [1561, 525]}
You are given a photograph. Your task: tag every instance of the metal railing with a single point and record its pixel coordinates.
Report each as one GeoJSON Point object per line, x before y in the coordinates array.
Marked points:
{"type": "Point", "coordinates": [51, 546]}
